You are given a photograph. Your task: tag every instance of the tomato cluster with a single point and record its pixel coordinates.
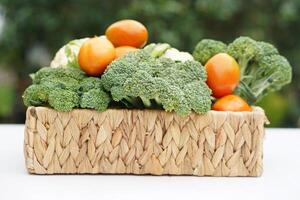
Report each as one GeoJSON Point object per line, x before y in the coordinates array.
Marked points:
{"type": "Point", "coordinates": [223, 76]}
{"type": "Point", "coordinates": [120, 38]}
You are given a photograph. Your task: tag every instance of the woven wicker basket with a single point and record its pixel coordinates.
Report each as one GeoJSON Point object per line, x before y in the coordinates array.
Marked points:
{"type": "Point", "coordinates": [144, 142]}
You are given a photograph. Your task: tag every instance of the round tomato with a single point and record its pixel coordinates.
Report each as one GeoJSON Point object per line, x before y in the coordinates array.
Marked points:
{"type": "Point", "coordinates": [95, 54]}
{"type": "Point", "coordinates": [231, 103]}
{"type": "Point", "coordinates": [223, 74]}
{"type": "Point", "coordinates": [122, 50]}
{"type": "Point", "coordinates": [127, 33]}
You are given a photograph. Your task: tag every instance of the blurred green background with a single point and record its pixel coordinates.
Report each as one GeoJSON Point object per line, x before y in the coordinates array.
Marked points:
{"type": "Point", "coordinates": [31, 31]}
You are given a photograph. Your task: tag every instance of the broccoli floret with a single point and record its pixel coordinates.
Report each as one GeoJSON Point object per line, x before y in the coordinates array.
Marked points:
{"type": "Point", "coordinates": [137, 79]}
{"type": "Point", "coordinates": [196, 95]}
{"type": "Point", "coordinates": [67, 83]}
{"type": "Point", "coordinates": [274, 71]}
{"type": "Point", "coordinates": [49, 73]}
{"type": "Point", "coordinates": [136, 86]}
{"type": "Point", "coordinates": [172, 97]}
{"type": "Point", "coordinates": [90, 83]}
{"type": "Point", "coordinates": [66, 88]}
{"type": "Point", "coordinates": [63, 100]}
{"type": "Point", "coordinates": [262, 68]}
{"type": "Point", "coordinates": [95, 99]}
{"type": "Point", "coordinates": [35, 95]}
{"type": "Point", "coordinates": [153, 92]}
{"type": "Point", "coordinates": [270, 74]}
{"type": "Point", "coordinates": [243, 49]}
{"type": "Point", "coordinates": [130, 62]}
{"type": "Point", "coordinates": [207, 48]}
{"type": "Point", "coordinates": [265, 49]}
{"type": "Point", "coordinates": [49, 79]}
{"type": "Point", "coordinates": [118, 94]}
{"type": "Point", "coordinates": [184, 72]}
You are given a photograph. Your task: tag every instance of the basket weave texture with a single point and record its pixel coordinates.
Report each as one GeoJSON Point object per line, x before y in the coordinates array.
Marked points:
{"type": "Point", "coordinates": [121, 141]}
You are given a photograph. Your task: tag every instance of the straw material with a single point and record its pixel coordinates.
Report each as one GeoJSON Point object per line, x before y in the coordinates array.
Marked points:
{"type": "Point", "coordinates": [144, 142]}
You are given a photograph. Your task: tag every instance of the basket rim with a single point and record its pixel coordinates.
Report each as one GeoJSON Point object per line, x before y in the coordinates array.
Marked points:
{"type": "Point", "coordinates": [255, 109]}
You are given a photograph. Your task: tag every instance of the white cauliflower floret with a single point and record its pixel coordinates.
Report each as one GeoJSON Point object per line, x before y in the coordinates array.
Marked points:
{"type": "Point", "coordinates": [176, 55]}
{"type": "Point", "coordinates": [67, 55]}
{"type": "Point", "coordinates": [165, 50]}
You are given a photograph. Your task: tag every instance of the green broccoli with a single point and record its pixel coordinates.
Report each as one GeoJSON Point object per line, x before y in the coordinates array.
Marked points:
{"type": "Point", "coordinates": [274, 71]}
{"type": "Point", "coordinates": [196, 93]}
{"type": "Point", "coordinates": [90, 83]}
{"type": "Point", "coordinates": [48, 73]}
{"type": "Point", "coordinates": [35, 95]}
{"type": "Point", "coordinates": [262, 68]}
{"type": "Point", "coordinates": [139, 80]}
{"type": "Point", "coordinates": [243, 49]}
{"type": "Point", "coordinates": [115, 75]}
{"type": "Point", "coordinates": [64, 89]}
{"type": "Point", "coordinates": [63, 100]}
{"type": "Point", "coordinates": [207, 48]}
{"type": "Point", "coordinates": [55, 87]}
{"type": "Point", "coordinates": [182, 73]}
{"type": "Point", "coordinates": [96, 99]}
{"type": "Point", "coordinates": [136, 86]}
{"type": "Point", "coordinates": [67, 83]}
{"type": "Point", "coordinates": [144, 90]}
{"type": "Point", "coordinates": [265, 49]}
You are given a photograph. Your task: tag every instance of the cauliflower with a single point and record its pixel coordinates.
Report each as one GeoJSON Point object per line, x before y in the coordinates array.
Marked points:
{"type": "Point", "coordinates": [67, 55]}
{"type": "Point", "coordinates": [164, 50]}
{"type": "Point", "coordinates": [177, 55]}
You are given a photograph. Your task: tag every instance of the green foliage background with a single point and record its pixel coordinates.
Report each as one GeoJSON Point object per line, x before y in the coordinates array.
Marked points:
{"type": "Point", "coordinates": [49, 24]}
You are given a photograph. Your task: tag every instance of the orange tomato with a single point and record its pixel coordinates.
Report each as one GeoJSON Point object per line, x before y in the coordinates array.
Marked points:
{"type": "Point", "coordinates": [95, 54]}
{"type": "Point", "coordinates": [231, 103]}
{"type": "Point", "coordinates": [223, 74]}
{"type": "Point", "coordinates": [122, 50]}
{"type": "Point", "coordinates": [127, 33]}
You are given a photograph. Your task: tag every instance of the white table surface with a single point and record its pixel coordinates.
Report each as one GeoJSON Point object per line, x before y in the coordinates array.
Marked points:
{"type": "Point", "coordinates": [280, 180]}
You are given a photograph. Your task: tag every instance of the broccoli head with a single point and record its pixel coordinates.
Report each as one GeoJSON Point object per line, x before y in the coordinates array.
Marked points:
{"type": "Point", "coordinates": [64, 89]}
{"type": "Point", "coordinates": [207, 48]}
{"type": "Point", "coordinates": [63, 100]}
{"type": "Point", "coordinates": [90, 83]}
{"type": "Point", "coordinates": [48, 73]}
{"type": "Point", "coordinates": [263, 69]}
{"type": "Point", "coordinates": [243, 49]}
{"type": "Point", "coordinates": [196, 95]}
{"type": "Point", "coordinates": [274, 71]}
{"type": "Point", "coordinates": [183, 72]}
{"type": "Point", "coordinates": [35, 95]}
{"type": "Point", "coordinates": [140, 80]}
{"type": "Point", "coordinates": [144, 90]}
{"type": "Point", "coordinates": [265, 49]}
{"type": "Point", "coordinates": [54, 87]}
{"type": "Point", "coordinates": [64, 82]}
{"type": "Point", "coordinates": [95, 99]}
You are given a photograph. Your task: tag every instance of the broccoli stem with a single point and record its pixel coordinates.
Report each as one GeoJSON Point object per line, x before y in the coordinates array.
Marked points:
{"type": "Point", "coordinates": [147, 103]}
{"type": "Point", "coordinates": [260, 87]}
{"type": "Point", "coordinates": [253, 93]}
{"type": "Point", "coordinates": [131, 100]}
{"type": "Point", "coordinates": [243, 62]}
{"type": "Point", "coordinates": [246, 92]}
{"type": "Point", "coordinates": [158, 101]}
